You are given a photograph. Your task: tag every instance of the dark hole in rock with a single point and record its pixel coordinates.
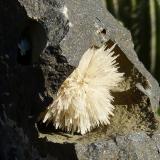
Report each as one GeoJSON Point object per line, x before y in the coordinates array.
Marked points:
{"type": "Point", "coordinates": [103, 31]}
{"type": "Point", "coordinates": [31, 43]}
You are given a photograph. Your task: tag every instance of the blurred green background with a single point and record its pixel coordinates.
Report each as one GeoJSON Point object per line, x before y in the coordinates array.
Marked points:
{"type": "Point", "coordinates": [142, 18]}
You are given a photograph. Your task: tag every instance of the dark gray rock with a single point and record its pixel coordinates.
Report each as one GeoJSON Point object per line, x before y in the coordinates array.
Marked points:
{"type": "Point", "coordinates": [58, 33]}
{"type": "Point", "coordinates": [135, 146]}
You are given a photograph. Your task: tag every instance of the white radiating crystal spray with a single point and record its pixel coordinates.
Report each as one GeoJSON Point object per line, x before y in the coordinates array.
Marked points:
{"type": "Point", "coordinates": [83, 101]}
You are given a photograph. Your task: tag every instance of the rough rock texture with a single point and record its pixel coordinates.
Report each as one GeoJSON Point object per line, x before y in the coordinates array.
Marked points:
{"type": "Point", "coordinates": [135, 146]}
{"type": "Point", "coordinates": [58, 33]}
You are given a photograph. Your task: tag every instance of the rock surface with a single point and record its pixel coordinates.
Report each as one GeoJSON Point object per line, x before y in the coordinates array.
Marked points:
{"type": "Point", "coordinates": [135, 146]}
{"type": "Point", "coordinates": [58, 32]}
